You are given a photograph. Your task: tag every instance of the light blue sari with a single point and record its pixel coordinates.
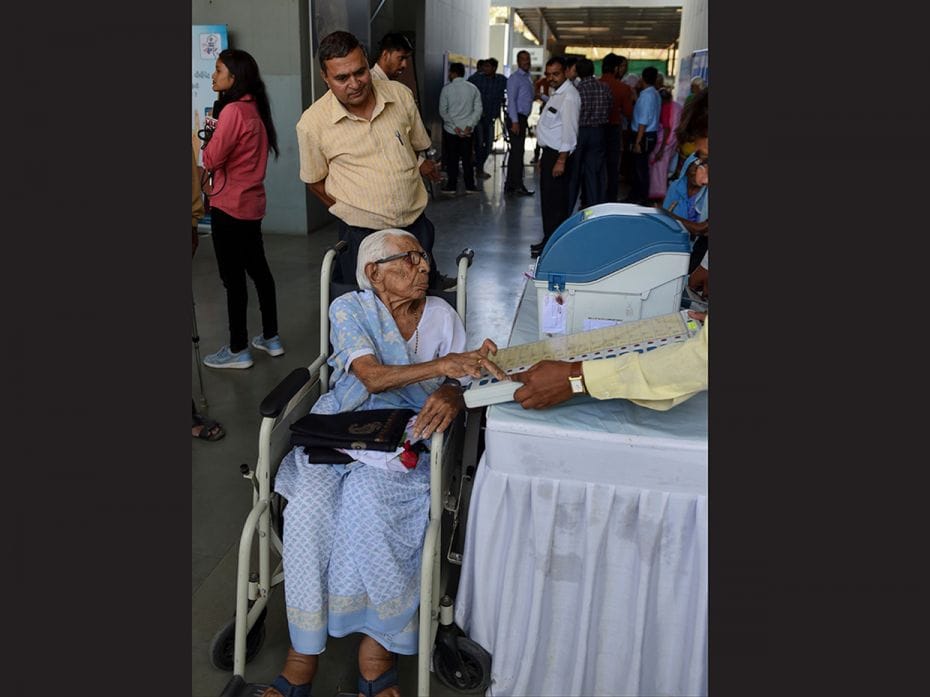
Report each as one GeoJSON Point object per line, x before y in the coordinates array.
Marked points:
{"type": "Point", "coordinates": [353, 534]}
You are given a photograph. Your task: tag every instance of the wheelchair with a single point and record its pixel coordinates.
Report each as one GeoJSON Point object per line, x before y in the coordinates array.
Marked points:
{"type": "Point", "coordinates": [459, 663]}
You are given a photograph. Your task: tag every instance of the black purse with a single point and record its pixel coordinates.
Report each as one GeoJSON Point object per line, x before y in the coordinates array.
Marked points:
{"type": "Point", "coordinates": [374, 429]}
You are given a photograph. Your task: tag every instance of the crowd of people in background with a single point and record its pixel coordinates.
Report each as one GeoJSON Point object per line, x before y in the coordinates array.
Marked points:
{"type": "Point", "coordinates": [623, 129]}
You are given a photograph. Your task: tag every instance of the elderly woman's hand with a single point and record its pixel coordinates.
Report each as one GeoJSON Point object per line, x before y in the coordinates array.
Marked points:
{"type": "Point", "coordinates": [470, 363]}
{"type": "Point", "coordinates": [437, 413]}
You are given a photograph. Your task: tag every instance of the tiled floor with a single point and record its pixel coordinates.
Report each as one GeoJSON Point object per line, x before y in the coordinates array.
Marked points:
{"type": "Point", "coordinates": [499, 228]}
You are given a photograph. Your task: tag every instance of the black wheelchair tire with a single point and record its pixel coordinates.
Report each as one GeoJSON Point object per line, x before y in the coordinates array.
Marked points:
{"type": "Point", "coordinates": [221, 647]}
{"type": "Point", "coordinates": [477, 662]}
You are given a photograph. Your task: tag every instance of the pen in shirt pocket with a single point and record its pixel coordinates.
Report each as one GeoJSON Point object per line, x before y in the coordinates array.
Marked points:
{"type": "Point", "coordinates": [399, 139]}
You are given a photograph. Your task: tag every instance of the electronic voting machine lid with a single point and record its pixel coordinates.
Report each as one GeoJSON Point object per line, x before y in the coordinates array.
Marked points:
{"type": "Point", "coordinates": [599, 240]}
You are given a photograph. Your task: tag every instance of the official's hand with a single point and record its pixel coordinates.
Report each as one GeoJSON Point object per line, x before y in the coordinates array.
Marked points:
{"type": "Point", "coordinates": [698, 281]}
{"type": "Point", "coordinates": [438, 412]}
{"type": "Point", "coordinates": [428, 169]}
{"type": "Point", "coordinates": [637, 148]}
{"type": "Point", "coordinates": [699, 316]}
{"type": "Point", "coordinates": [515, 127]}
{"type": "Point", "coordinates": [558, 169]}
{"type": "Point", "coordinates": [544, 385]}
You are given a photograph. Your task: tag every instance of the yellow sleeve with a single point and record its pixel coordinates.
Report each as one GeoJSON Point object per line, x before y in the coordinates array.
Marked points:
{"type": "Point", "coordinates": [419, 138]}
{"type": "Point", "coordinates": [659, 379]}
{"type": "Point", "coordinates": [314, 166]}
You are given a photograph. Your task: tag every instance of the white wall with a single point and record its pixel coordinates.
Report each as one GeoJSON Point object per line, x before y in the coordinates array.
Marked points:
{"type": "Point", "coordinates": [456, 26]}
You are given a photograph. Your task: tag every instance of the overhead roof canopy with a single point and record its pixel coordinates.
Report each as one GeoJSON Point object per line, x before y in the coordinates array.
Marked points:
{"type": "Point", "coordinates": [642, 24]}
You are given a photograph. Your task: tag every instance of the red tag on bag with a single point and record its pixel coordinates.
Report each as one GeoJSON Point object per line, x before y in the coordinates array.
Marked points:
{"type": "Point", "coordinates": [409, 458]}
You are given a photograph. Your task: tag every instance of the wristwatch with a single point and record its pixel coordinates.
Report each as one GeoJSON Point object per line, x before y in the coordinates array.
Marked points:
{"type": "Point", "coordinates": [577, 381]}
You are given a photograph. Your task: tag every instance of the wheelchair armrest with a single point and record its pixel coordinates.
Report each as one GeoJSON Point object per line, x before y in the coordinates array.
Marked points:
{"type": "Point", "coordinates": [277, 399]}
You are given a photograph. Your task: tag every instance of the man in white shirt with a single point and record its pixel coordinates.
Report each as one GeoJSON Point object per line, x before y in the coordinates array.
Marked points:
{"type": "Point", "coordinates": [460, 111]}
{"type": "Point", "coordinates": [557, 133]}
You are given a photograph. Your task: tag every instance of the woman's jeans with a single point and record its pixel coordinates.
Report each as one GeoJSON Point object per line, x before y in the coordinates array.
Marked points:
{"type": "Point", "coordinates": [239, 251]}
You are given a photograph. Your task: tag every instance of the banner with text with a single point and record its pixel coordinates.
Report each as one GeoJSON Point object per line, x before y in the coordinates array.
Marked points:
{"type": "Point", "coordinates": [207, 42]}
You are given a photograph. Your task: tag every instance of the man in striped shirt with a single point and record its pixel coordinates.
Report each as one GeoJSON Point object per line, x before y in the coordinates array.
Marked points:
{"type": "Point", "coordinates": [589, 169]}
{"type": "Point", "coordinates": [361, 148]}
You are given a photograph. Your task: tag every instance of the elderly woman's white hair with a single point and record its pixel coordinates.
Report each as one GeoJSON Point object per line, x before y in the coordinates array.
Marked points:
{"type": "Point", "coordinates": [698, 82]}
{"type": "Point", "coordinates": [375, 246]}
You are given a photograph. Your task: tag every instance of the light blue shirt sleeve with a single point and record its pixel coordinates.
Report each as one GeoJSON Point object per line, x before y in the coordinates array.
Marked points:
{"type": "Point", "coordinates": [646, 110]}
{"type": "Point", "coordinates": [512, 90]}
{"type": "Point", "coordinates": [444, 104]}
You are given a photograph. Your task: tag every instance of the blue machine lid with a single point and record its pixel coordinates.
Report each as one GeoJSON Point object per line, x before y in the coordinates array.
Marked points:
{"type": "Point", "coordinates": [597, 241]}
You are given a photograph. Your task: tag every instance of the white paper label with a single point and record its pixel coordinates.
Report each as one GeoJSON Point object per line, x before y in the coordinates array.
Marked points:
{"type": "Point", "coordinates": [597, 323]}
{"type": "Point", "coordinates": [553, 314]}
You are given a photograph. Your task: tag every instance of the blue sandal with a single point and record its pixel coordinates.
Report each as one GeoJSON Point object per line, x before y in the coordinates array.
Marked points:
{"type": "Point", "coordinates": [282, 685]}
{"type": "Point", "coordinates": [369, 688]}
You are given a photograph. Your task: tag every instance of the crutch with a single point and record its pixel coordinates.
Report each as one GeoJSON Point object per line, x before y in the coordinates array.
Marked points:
{"type": "Point", "coordinates": [196, 339]}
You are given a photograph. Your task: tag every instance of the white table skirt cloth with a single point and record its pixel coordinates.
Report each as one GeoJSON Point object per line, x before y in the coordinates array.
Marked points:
{"type": "Point", "coordinates": [585, 562]}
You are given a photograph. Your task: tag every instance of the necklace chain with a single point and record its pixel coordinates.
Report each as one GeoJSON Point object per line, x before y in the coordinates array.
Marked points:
{"type": "Point", "coordinates": [416, 332]}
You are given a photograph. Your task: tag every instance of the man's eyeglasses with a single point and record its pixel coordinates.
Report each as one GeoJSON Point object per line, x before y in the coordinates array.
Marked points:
{"type": "Point", "coordinates": [701, 162]}
{"type": "Point", "coordinates": [413, 257]}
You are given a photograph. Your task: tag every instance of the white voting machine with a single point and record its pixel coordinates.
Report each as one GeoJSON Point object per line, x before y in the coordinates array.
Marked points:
{"type": "Point", "coordinates": [597, 344]}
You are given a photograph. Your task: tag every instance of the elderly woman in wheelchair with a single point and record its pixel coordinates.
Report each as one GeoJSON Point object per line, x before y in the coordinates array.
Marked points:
{"type": "Point", "coordinates": [353, 533]}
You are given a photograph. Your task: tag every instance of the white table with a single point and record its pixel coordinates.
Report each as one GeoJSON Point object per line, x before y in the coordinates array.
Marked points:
{"type": "Point", "coordinates": [585, 564]}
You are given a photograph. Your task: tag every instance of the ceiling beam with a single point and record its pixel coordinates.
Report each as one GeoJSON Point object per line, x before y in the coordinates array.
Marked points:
{"type": "Point", "coordinates": [575, 4]}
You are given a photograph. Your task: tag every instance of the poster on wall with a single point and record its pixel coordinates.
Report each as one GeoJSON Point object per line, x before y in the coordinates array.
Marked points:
{"type": "Point", "coordinates": [207, 40]}
{"type": "Point", "coordinates": [699, 66]}
{"type": "Point", "coordinates": [536, 58]}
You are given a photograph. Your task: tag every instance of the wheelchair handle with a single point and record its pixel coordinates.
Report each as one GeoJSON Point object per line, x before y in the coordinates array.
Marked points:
{"type": "Point", "coordinates": [467, 253]}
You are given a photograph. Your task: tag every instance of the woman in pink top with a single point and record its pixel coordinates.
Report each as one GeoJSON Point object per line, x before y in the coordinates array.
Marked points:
{"type": "Point", "coordinates": [236, 155]}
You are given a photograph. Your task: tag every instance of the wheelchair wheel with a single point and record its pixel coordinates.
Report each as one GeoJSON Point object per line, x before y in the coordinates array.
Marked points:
{"type": "Point", "coordinates": [476, 676]}
{"type": "Point", "coordinates": [221, 647]}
